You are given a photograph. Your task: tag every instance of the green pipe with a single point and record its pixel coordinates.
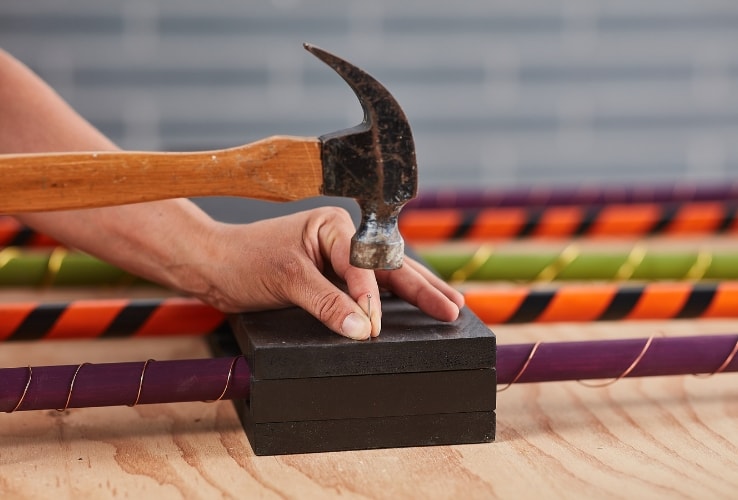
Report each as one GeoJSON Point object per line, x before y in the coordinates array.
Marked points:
{"type": "Point", "coordinates": [70, 268]}
{"type": "Point", "coordinates": [572, 264]}
{"type": "Point", "coordinates": [58, 268]}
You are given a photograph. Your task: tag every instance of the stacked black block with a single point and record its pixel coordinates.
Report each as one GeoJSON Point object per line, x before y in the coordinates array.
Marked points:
{"type": "Point", "coordinates": [421, 382]}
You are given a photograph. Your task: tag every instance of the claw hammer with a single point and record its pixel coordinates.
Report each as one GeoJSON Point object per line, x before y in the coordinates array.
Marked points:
{"type": "Point", "coordinates": [373, 162]}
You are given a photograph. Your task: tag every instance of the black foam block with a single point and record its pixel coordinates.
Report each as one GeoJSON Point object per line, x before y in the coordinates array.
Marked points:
{"type": "Point", "coordinates": [421, 382]}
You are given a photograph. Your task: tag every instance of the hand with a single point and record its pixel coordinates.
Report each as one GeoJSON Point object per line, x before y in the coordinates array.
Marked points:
{"type": "Point", "coordinates": [296, 259]}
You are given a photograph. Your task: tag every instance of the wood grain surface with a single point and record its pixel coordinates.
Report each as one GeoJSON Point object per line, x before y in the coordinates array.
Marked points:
{"type": "Point", "coordinates": [673, 437]}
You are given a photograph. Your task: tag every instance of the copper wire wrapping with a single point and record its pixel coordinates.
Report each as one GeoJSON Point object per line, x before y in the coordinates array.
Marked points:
{"type": "Point", "coordinates": [25, 390]}
{"type": "Point", "coordinates": [723, 365]}
{"type": "Point", "coordinates": [71, 386]}
{"type": "Point", "coordinates": [523, 368]}
{"type": "Point", "coordinates": [624, 374]}
{"type": "Point", "coordinates": [140, 382]}
{"type": "Point", "coordinates": [228, 380]}
{"type": "Point", "coordinates": [627, 370]}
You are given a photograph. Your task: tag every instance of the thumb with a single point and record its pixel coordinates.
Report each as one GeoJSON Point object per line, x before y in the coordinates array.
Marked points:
{"type": "Point", "coordinates": [333, 307]}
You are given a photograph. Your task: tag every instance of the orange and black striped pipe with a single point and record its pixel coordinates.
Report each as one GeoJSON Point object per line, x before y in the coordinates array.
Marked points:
{"type": "Point", "coordinates": [637, 219]}
{"type": "Point", "coordinates": [601, 302]}
{"type": "Point", "coordinates": [15, 234]}
{"type": "Point", "coordinates": [109, 318]}
{"type": "Point", "coordinates": [494, 305]}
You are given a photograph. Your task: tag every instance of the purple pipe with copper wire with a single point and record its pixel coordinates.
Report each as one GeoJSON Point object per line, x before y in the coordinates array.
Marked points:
{"type": "Point", "coordinates": [114, 384]}
{"type": "Point", "coordinates": [117, 384]}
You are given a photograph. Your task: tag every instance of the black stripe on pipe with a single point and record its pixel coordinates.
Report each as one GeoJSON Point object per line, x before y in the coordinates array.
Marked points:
{"type": "Point", "coordinates": [666, 217]}
{"type": "Point", "coordinates": [591, 214]}
{"type": "Point", "coordinates": [622, 303]}
{"type": "Point", "coordinates": [468, 219]}
{"type": "Point", "coordinates": [38, 322]}
{"type": "Point", "coordinates": [22, 237]}
{"type": "Point", "coordinates": [130, 319]}
{"type": "Point", "coordinates": [699, 300]}
{"type": "Point", "coordinates": [534, 304]}
{"type": "Point", "coordinates": [729, 212]}
{"type": "Point", "coordinates": [532, 221]}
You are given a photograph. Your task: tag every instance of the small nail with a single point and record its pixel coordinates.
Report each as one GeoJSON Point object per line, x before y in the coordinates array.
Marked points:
{"type": "Point", "coordinates": [354, 327]}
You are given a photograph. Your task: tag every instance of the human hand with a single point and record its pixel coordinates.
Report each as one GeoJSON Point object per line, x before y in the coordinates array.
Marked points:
{"type": "Point", "coordinates": [297, 259]}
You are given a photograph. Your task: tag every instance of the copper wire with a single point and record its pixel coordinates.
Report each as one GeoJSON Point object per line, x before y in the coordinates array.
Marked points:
{"type": "Point", "coordinates": [627, 370]}
{"type": "Point", "coordinates": [523, 368]}
{"type": "Point", "coordinates": [724, 364]}
{"type": "Point", "coordinates": [71, 386]}
{"type": "Point", "coordinates": [228, 380]}
{"type": "Point", "coordinates": [25, 390]}
{"type": "Point", "coordinates": [141, 382]}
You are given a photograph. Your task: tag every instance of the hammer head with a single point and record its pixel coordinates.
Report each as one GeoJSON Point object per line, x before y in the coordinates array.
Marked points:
{"type": "Point", "coordinates": [373, 162]}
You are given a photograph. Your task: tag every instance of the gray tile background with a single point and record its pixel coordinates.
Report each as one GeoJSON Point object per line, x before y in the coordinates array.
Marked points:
{"type": "Point", "coordinates": [499, 93]}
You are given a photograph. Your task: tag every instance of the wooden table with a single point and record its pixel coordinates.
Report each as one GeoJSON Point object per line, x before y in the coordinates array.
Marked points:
{"type": "Point", "coordinates": [660, 437]}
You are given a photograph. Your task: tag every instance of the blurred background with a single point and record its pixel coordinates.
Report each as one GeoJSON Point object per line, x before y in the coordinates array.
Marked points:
{"type": "Point", "coordinates": [499, 93]}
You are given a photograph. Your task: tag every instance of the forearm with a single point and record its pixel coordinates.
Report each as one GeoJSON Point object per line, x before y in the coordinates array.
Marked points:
{"type": "Point", "coordinates": [155, 240]}
{"type": "Point", "coordinates": [160, 241]}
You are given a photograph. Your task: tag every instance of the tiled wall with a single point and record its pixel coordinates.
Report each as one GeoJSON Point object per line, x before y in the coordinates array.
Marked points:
{"type": "Point", "coordinates": [499, 93]}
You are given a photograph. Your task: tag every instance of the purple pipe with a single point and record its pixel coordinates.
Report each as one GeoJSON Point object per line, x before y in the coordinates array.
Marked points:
{"type": "Point", "coordinates": [583, 195]}
{"type": "Point", "coordinates": [606, 359]}
{"type": "Point", "coordinates": [117, 384]}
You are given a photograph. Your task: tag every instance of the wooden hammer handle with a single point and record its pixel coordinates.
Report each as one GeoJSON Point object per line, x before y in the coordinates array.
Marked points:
{"type": "Point", "coordinates": [278, 168]}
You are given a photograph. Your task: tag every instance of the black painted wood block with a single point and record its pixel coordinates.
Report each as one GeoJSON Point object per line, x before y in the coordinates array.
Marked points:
{"type": "Point", "coordinates": [421, 382]}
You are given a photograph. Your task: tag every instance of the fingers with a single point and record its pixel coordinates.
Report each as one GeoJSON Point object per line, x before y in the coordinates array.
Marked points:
{"type": "Point", "coordinates": [418, 286]}
{"type": "Point", "coordinates": [337, 310]}
{"type": "Point", "coordinates": [413, 282]}
{"type": "Point", "coordinates": [334, 240]}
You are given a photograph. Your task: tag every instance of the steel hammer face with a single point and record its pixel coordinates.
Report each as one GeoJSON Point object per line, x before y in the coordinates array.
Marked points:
{"type": "Point", "coordinates": [373, 162]}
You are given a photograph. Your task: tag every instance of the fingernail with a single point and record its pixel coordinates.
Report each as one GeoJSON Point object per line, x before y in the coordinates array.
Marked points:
{"type": "Point", "coordinates": [354, 327]}
{"type": "Point", "coordinates": [378, 324]}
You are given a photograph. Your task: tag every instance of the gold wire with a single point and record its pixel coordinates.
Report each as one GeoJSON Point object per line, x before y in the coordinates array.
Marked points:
{"type": "Point", "coordinates": [634, 259]}
{"type": "Point", "coordinates": [474, 264]}
{"type": "Point", "coordinates": [566, 257]}
{"type": "Point", "coordinates": [141, 382]}
{"type": "Point", "coordinates": [71, 387]}
{"type": "Point", "coordinates": [53, 266]}
{"type": "Point", "coordinates": [523, 368]}
{"type": "Point", "coordinates": [701, 264]}
{"type": "Point", "coordinates": [25, 390]}
{"type": "Point", "coordinates": [627, 370]}
{"type": "Point", "coordinates": [228, 380]}
{"type": "Point", "coordinates": [7, 255]}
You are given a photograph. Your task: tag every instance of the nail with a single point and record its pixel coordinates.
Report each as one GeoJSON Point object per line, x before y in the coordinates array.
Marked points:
{"type": "Point", "coordinates": [354, 327]}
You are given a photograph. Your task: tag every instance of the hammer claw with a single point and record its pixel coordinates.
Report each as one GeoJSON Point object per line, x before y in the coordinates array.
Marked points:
{"type": "Point", "coordinates": [373, 162]}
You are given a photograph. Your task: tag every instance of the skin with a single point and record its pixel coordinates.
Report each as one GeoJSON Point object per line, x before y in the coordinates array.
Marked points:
{"type": "Point", "coordinates": [300, 259]}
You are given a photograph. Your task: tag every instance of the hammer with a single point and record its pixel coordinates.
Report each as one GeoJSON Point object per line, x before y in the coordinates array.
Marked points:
{"type": "Point", "coordinates": [373, 162]}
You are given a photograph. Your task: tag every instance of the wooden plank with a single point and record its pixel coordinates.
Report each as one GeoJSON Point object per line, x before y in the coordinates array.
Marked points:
{"type": "Point", "coordinates": [648, 438]}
